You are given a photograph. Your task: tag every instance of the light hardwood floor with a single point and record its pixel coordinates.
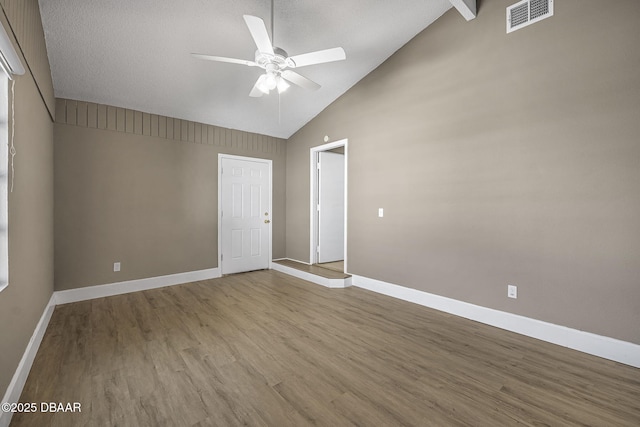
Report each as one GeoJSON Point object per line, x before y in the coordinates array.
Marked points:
{"type": "Point", "coordinates": [263, 348]}
{"type": "Point", "coordinates": [335, 266]}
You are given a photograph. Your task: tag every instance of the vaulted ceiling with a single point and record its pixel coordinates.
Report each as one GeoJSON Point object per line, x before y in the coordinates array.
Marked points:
{"type": "Point", "coordinates": [136, 54]}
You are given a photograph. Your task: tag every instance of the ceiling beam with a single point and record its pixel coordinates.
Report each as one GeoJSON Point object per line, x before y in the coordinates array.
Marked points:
{"type": "Point", "coordinates": [467, 8]}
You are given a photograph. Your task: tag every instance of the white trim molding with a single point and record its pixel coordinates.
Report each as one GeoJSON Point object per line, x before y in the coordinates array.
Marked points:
{"type": "Point", "coordinates": [313, 196]}
{"type": "Point", "coordinates": [82, 294]}
{"type": "Point", "coordinates": [24, 367]}
{"type": "Point", "coordinates": [99, 291]}
{"type": "Point", "coordinates": [586, 342]}
{"type": "Point", "coordinates": [309, 277]}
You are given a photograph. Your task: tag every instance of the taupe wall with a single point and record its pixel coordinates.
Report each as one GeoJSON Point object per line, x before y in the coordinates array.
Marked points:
{"type": "Point", "coordinates": [25, 23]}
{"type": "Point", "coordinates": [499, 159]}
{"type": "Point", "coordinates": [30, 212]}
{"type": "Point", "coordinates": [142, 189]}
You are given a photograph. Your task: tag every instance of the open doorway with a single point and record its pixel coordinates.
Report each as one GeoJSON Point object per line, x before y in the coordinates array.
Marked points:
{"type": "Point", "coordinates": [329, 206]}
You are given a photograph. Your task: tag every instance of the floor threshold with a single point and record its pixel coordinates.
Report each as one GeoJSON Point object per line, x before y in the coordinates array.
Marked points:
{"type": "Point", "coordinates": [313, 273]}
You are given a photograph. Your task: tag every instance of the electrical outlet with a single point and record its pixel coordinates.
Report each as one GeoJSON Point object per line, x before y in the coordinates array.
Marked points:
{"type": "Point", "coordinates": [116, 266]}
{"type": "Point", "coordinates": [512, 291]}
{"type": "Point", "coordinates": [380, 212]}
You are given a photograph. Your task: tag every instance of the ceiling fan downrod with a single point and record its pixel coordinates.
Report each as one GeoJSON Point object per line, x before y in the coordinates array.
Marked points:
{"type": "Point", "coordinates": [273, 37]}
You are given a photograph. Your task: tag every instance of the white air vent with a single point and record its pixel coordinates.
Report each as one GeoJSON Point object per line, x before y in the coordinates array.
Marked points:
{"type": "Point", "coordinates": [528, 12]}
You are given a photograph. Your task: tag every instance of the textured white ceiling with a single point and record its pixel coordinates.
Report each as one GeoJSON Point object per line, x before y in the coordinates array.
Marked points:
{"type": "Point", "coordinates": [136, 54]}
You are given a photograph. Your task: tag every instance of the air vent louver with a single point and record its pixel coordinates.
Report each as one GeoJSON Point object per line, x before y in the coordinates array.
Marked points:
{"type": "Point", "coordinates": [528, 12]}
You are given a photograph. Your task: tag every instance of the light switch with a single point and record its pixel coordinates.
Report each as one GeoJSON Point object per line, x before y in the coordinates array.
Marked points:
{"type": "Point", "coordinates": [380, 212]}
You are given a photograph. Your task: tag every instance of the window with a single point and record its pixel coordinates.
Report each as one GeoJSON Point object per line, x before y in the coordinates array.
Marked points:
{"type": "Point", "coordinates": [10, 65]}
{"type": "Point", "coordinates": [4, 181]}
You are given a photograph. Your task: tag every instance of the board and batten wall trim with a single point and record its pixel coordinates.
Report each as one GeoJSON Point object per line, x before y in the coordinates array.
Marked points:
{"type": "Point", "coordinates": [118, 119]}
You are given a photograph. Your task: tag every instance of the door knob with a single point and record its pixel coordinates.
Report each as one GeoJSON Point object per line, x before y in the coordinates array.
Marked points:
{"type": "Point", "coordinates": [266, 221]}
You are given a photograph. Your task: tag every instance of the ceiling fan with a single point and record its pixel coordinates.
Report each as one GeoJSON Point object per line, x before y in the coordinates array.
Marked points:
{"type": "Point", "coordinates": [278, 65]}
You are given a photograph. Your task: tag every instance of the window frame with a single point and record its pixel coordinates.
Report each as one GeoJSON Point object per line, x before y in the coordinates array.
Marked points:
{"type": "Point", "coordinates": [4, 180]}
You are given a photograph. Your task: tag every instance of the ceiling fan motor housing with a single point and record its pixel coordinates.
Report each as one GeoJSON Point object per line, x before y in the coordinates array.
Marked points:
{"type": "Point", "coordinates": [276, 62]}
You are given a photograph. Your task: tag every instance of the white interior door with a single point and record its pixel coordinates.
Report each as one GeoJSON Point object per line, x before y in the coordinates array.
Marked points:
{"type": "Point", "coordinates": [245, 214]}
{"type": "Point", "coordinates": [330, 207]}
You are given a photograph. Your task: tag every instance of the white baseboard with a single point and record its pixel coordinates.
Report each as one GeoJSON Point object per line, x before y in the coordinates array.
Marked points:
{"type": "Point", "coordinates": [319, 280]}
{"type": "Point", "coordinates": [99, 291]}
{"type": "Point", "coordinates": [81, 294]}
{"type": "Point", "coordinates": [608, 348]}
{"type": "Point", "coordinates": [22, 372]}
{"type": "Point", "coordinates": [586, 342]}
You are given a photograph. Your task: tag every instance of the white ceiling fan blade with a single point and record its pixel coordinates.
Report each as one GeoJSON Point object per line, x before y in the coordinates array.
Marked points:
{"type": "Point", "coordinates": [223, 59]}
{"type": "Point", "coordinates": [259, 33]}
{"type": "Point", "coordinates": [256, 92]}
{"type": "Point", "coordinates": [319, 57]}
{"type": "Point", "coordinates": [299, 80]}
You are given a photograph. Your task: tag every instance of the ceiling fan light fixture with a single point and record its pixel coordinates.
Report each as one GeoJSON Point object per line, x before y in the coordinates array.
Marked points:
{"type": "Point", "coordinates": [276, 62]}
{"type": "Point", "coordinates": [271, 81]}
{"type": "Point", "coordinates": [262, 84]}
{"type": "Point", "coordinates": [282, 85]}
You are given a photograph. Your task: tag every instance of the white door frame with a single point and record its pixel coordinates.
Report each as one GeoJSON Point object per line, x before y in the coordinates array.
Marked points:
{"type": "Point", "coordinates": [313, 256]}
{"type": "Point", "coordinates": [269, 163]}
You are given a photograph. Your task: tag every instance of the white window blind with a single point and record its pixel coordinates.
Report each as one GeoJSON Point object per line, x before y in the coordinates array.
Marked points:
{"type": "Point", "coordinates": [10, 65]}
{"type": "Point", "coordinates": [4, 181]}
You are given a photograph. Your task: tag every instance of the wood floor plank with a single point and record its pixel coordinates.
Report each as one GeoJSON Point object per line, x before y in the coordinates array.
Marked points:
{"type": "Point", "coordinates": [111, 402]}
{"type": "Point", "coordinates": [266, 349]}
{"type": "Point", "coordinates": [305, 395]}
{"type": "Point", "coordinates": [335, 266]}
